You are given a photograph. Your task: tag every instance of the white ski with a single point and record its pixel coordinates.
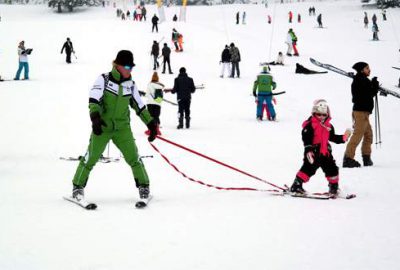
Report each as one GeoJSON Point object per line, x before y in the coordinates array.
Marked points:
{"type": "Point", "coordinates": [81, 203]}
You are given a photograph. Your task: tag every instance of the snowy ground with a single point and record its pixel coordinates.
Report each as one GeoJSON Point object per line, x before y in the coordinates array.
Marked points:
{"type": "Point", "coordinates": [189, 226]}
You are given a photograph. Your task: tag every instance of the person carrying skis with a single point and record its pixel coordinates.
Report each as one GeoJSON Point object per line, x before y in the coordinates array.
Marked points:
{"type": "Point", "coordinates": [262, 91]}
{"type": "Point", "coordinates": [184, 88]}
{"type": "Point", "coordinates": [69, 48]}
{"type": "Point", "coordinates": [154, 94]}
{"type": "Point", "coordinates": [226, 61]}
{"type": "Point", "coordinates": [363, 92]}
{"type": "Point", "coordinates": [316, 133]}
{"type": "Point", "coordinates": [155, 51]}
{"type": "Point", "coordinates": [109, 101]}
{"type": "Point", "coordinates": [23, 61]}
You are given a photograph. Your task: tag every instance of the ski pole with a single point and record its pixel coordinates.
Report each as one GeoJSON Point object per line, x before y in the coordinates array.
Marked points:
{"type": "Point", "coordinates": [219, 162]}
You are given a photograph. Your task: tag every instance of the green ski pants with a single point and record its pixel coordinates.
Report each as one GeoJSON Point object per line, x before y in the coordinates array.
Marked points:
{"type": "Point", "coordinates": [125, 142]}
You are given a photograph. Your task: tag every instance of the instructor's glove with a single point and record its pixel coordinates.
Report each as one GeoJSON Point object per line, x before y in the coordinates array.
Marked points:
{"type": "Point", "coordinates": [97, 122]}
{"type": "Point", "coordinates": [152, 126]}
{"type": "Point", "coordinates": [310, 157]}
{"type": "Point", "coordinates": [375, 83]}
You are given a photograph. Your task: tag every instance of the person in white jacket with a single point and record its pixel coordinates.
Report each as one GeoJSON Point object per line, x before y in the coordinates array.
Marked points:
{"type": "Point", "coordinates": [289, 43]}
{"type": "Point", "coordinates": [154, 94]}
{"type": "Point", "coordinates": [23, 61]}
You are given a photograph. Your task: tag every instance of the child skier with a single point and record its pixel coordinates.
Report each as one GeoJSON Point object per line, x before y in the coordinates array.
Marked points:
{"type": "Point", "coordinates": [316, 134]}
{"type": "Point", "coordinates": [154, 94]}
{"type": "Point", "coordinates": [264, 84]}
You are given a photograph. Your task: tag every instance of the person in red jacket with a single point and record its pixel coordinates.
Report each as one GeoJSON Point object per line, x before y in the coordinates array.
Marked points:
{"type": "Point", "coordinates": [290, 16]}
{"type": "Point", "coordinates": [316, 133]}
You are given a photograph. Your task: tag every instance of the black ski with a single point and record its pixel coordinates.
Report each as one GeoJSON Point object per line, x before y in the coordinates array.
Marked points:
{"type": "Point", "coordinates": [383, 91]}
{"type": "Point", "coordinates": [82, 203]}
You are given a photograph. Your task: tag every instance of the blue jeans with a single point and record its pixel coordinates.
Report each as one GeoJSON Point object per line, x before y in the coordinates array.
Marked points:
{"type": "Point", "coordinates": [268, 101]}
{"type": "Point", "coordinates": [25, 66]}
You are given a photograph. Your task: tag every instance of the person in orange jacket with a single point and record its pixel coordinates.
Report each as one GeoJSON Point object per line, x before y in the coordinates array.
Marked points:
{"type": "Point", "coordinates": [180, 42]}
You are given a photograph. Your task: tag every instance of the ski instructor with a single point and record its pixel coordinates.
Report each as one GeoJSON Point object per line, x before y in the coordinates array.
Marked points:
{"type": "Point", "coordinates": [109, 101]}
{"type": "Point", "coordinates": [363, 91]}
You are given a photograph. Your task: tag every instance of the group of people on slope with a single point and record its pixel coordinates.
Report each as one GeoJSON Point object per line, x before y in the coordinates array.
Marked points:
{"type": "Point", "coordinates": [230, 59]}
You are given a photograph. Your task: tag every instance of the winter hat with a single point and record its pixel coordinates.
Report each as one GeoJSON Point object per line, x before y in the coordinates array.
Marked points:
{"type": "Point", "coordinates": [359, 66]}
{"type": "Point", "coordinates": [232, 44]}
{"type": "Point", "coordinates": [320, 106]}
{"type": "Point", "coordinates": [182, 70]}
{"type": "Point", "coordinates": [124, 58]}
{"type": "Point", "coordinates": [154, 78]}
{"type": "Point", "coordinates": [266, 69]}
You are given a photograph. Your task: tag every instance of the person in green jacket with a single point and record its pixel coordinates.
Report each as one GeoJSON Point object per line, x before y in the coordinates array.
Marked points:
{"type": "Point", "coordinates": [262, 90]}
{"type": "Point", "coordinates": [109, 101]}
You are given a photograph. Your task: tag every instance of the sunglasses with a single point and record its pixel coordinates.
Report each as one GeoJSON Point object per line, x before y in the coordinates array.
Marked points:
{"type": "Point", "coordinates": [128, 68]}
{"type": "Point", "coordinates": [321, 114]}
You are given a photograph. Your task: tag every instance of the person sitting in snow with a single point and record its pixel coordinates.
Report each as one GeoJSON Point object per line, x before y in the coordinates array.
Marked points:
{"type": "Point", "coordinates": [316, 133]}
{"type": "Point", "coordinates": [262, 91]}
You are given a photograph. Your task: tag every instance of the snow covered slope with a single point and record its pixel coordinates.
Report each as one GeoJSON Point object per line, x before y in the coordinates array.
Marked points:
{"type": "Point", "coordinates": [189, 226]}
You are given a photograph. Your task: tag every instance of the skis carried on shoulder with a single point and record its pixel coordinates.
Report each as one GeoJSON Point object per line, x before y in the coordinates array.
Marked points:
{"type": "Point", "coordinates": [398, 68]}
{"type": "Point", "coordinates": [82, 203]}
{"type": "Point", "coordinates": [383, 91]}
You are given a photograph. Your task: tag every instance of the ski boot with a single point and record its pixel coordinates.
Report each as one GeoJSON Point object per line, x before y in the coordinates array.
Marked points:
{"type": "Point", "coordinates": [333, 189]}
{"type": "Point", "coordinates": [144, 192]}
{"type": "Point", "coordinates": [180, 124]}
{"type": "Point", "coordinates": [350, 163]}
{"type": "Point", "coordinates": [297, 186]}
{"type": "Point", "coordinates": [367, 160]}
{"type": "Point", "coordinates": [78, 193]}
{"type": "Point", "coordinates": [187, 123]}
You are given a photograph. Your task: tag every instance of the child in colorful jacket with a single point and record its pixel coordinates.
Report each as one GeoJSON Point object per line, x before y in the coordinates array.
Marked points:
{"type": "Point", "coordinates": [262, 90]}
{"type": "Point", "coordinates": [316, 133]}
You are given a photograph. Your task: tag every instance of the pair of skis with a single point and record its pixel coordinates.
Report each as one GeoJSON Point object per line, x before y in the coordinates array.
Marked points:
{"type": "Point", "coordinates": [140, 204]}
{"type": "Point", "coordinates": [102, 159]}
{"type": "Point", "coordinates": [383, 91]}
{"type": "Point", "coordinates": [313, 195]}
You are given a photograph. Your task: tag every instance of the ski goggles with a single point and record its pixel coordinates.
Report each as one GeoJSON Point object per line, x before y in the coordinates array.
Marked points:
{"type": "Point", "coordinates": [128, 67]}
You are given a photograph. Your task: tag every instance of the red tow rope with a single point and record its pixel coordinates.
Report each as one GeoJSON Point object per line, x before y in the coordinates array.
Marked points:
{"type": "Point", "coordinates": [218, 162]}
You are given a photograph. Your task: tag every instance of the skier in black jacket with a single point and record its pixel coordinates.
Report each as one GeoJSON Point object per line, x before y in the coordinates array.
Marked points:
{"type": "Point", "coordinates": [68, 50]}
{"type": "Point", "coordinates": [363, 91]}
{"type": "Point", "coordinates": [166, 52]}
{"type": "Point", "coordinates": [183, 87]}
{"type": "Point", "coordinates": [154, 21]}
{"type": "Point", "coordinates": [155, 51]}
{"type": "Point", "coordinates": [226, 61]}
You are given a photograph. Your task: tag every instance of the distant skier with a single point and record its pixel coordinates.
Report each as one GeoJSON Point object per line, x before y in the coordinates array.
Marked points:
{"type": "Point", "coordinates": [174, 38]}
{"type": "Point", "coordinates": [374, 18]}
{"type": "Point", "coordinates": [384, 14]}
{"type": "Point", "coordinates": [154, 21]}
{"type": "Point", "coordinates": [23, 61]}
{"type": "Point", "coordinates": [225, 61]}
{"type": "Point", "coordinates": [166, 52]}
{"type": "Point", "coordinates": [180, 42]}
{"type": "Point", "coordinates": [319, 20]}
{"type": "Point", "coordinates": [316, 133]}
{"type": "Point", "coordinates": [175, 18]}
{"type": "Point", "coordinates": [155, 52]}
{"type": "Point", "coordinates": [235, 59]}
{"type": "Point", "coordinates": [366, 21]}
{"type": "Point", "coordinates": [69, 48]}
{"type": "Point", "coordinates": [289, 43]}
{"type": "Point", "coordinates": [262, 91]}
{"type": "Point", "coordinates": [375, 31]}
{"type": "Point", "coordinates": [237, 17]}
{"type": "Point", "coordinates": [279, 60]}
{"type": "Point", "coordinates": [184, 88]}
{"type": "Point", "coordinates": [290, 16]}
{"type": "Point", "coordinates": [363, 92]}
{"type": "Point", "coordinates": [269, 19]}
{"type": "Point", "coordinates": [144, 13]}
{"type": "Point", "coordinates": [298, 18]}
{"type": "Point", "coordinates": [244, 17]}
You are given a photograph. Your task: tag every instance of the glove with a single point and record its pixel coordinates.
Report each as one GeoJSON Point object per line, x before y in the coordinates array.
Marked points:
{"type": "Point", "coordinates": [310, 157]}
{"type": "Point", "coordinates": [375, 83]}
{"type": "Point", "coordinates": [152, 126]}
{"type": "Point", "coordinates": [347, 134]}
{"type": "Point", "coordinates": [97, 122]}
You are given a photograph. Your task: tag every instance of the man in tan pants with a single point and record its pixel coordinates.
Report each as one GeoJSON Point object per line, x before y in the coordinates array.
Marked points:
{"type": "Point", "coordinates": [363, 92]}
